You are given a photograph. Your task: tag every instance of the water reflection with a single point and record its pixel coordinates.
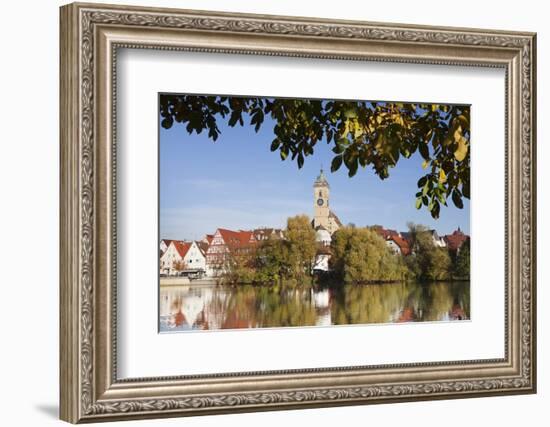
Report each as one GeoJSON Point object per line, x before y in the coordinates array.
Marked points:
{"type": "Point", "coordinates": [220, 307]}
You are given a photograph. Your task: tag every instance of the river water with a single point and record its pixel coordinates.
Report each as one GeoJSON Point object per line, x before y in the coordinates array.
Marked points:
{"type": "Point", "coordinates": [185, 308]}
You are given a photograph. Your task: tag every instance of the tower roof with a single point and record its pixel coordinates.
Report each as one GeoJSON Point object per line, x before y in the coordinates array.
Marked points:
{"type": "Point", "coordinates": [321, 180]}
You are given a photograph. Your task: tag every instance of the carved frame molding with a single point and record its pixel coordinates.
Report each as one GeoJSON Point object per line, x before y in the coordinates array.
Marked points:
{"type": "Point", "coordinates": [90, 37]}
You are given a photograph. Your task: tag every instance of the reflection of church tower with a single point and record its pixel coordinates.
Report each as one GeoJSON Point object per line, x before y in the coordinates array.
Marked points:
{"type": "Point", "coordinates": [323, 216]}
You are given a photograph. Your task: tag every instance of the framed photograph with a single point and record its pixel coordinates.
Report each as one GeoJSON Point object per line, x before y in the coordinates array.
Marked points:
{"type": "Point", "coordinates": [267, 212]}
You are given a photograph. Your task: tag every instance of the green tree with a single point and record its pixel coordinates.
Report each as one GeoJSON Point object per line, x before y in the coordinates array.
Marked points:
{"type": "Point", "coordinates": [239, 266]}
{"type": "Point", "coordinates": [272, 261]}
{"type": "Point", "coordinates": [302, 246]}
{"type": "Point", "coordinates": [375, 134]}
{"type": "Point", "coordinates": [360, 255]}
{"type": "Point", "coordinates": [461, 268]}
{"type": "Point", "coordinates": [280, 261]}
{"type": "Point", "coordinates": [427, 262]}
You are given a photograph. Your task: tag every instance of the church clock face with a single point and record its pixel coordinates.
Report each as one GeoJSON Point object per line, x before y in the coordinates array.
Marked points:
{"type": "Point", "coordinates": [320, 202]}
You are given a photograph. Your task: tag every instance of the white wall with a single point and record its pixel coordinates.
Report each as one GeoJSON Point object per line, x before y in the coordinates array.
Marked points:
{"type": "Point", "coordinates": [29, 171]}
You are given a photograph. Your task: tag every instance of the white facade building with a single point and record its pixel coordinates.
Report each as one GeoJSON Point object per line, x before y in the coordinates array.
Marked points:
{"type": "Point", "coordinates": [180, 256]}
{"type": "Point", "coordinates": [322, 235]}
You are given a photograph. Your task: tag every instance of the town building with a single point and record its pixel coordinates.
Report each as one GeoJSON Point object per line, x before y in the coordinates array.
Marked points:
{"type": "Point", "coordinates": [217, 252]}
{"type": "Point", "coordinates": [399, 245]}
{"type": "Point", "coordinates": [164, 243]}
{"type": "Point", "coordinates": [322, 235]}
{"type": "Point", "coordinates": [437, 240]}
{"type": "Point", "coordinates": [455, 240]}
{"type": "Point", "coordinates": [265, 233]}
{"type": "Point", "coordinates": [226, 247]}
{"type": "Point", "coordinates": [322, 258]}
{"type": "Point", "coordinates": [181, 256]}
{"type": "Point", "coordinates": [394, 240]}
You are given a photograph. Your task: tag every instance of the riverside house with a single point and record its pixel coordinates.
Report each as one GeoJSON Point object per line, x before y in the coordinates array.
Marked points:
{"type": "Point", "coordinates": [227, 246]}
{"type": "Point", "coordinates": [180, 256]}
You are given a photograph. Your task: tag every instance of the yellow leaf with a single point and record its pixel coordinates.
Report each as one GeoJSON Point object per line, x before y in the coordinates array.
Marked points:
{"type": "Point", "coordinates": [379, 142]}
{"type": "Point", "coordinates": [457, 134]}
{"type": "Point", "coordinates": [442, 176]}
{"type": "Point", "coordinates": [345, 129]}
{"type": "Point", "coordinates": [462, 149]}
{"type": "Point", "coordinates": [358, 130]}
{"type": "Point", "coordinates": [425, 164]}
{"type": "Point", "coordinates": [464, 122]}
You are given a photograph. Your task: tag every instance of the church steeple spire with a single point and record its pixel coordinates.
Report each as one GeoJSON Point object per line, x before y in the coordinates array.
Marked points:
{"type": "Point", "coordinates": [321, 179]}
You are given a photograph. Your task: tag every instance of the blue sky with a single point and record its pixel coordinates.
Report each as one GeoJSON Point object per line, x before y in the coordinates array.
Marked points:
{"type": "Point", "coordinates": [238, 183]}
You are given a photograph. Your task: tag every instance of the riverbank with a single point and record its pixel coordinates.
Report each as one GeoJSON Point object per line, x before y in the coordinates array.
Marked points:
{"type": "Point", "coordinates": [181, 281]}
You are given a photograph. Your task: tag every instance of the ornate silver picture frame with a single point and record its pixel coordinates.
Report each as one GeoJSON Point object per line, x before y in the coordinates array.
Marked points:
{"type": "Point", "coordinates": [91, 35]}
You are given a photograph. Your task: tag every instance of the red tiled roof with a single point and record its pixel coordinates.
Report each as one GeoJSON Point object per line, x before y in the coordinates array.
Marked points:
{"type": "Point", "coordinates": [402, 243]}
{"type": "Point", "coordinates": [166, 242]}
{"type": "Point", "coordinates": [456, 240]}
{"type": "Point", "coordinates": [203, 246]}
{"type": "Point", "coordinates": [237, 239]}
{"type": "Point", "coordinates": [181, 247]}
{"type": "Point", "coordinates": [209, 238]}
{"type": "Point", "coordinates": [386, 234]}
{"type": "Point", "coordinates": [265, 233]}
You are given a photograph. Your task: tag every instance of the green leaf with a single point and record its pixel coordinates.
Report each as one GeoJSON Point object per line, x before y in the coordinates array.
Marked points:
{"type": "Point", "coordinates": [466, 189]}
{"type": "Point", "coordinates": [336, 163]}
{"type": "Point", "coordinates": [353, 167]}
{"type": "Point", "coordinates": [435, 210]}
{"type": "Point", "coordinates": [235, 117]}
{"type": "Point", "coordinates": [167, 122]}
{"type": "Point", "coordinates": [350, 113]}
{"type": "Point", "coordinates": [275, 144]}
{"type": "Point", "coordinates": [426, 188]}
{"type": "Point", "coordinates": [342, 141]}
{"type": "Point", "coordinates": [424, 151]}
{"type": "Point", "coordinates": [418, 202]}
{"type": "Point", "coordinates": [457, 200]}
{"type": "Point", "coordinates": [300, 160]}
{"type": "Point", "coordinates": [257, 119]}
{"type": "Point", "coordinates": [338, 149]}
{"type": "Point", "coordinates": [422, 181]}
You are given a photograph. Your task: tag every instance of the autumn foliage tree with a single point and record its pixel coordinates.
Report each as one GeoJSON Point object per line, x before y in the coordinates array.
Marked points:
{"type": "Point", "coordinates": [427, 262]}
{"type": "Point", "coordinates": [282, 260]}
{"type": "Point", "coordinates": [361, 133]}
{"type": "Point", "coordinates": [360, 255]}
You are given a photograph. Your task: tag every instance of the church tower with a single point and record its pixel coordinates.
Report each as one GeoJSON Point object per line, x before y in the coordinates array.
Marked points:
{"type": "Point", "coordinates": [321, 191]}
{"type": "Point", "coordinates": [322, 215]}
